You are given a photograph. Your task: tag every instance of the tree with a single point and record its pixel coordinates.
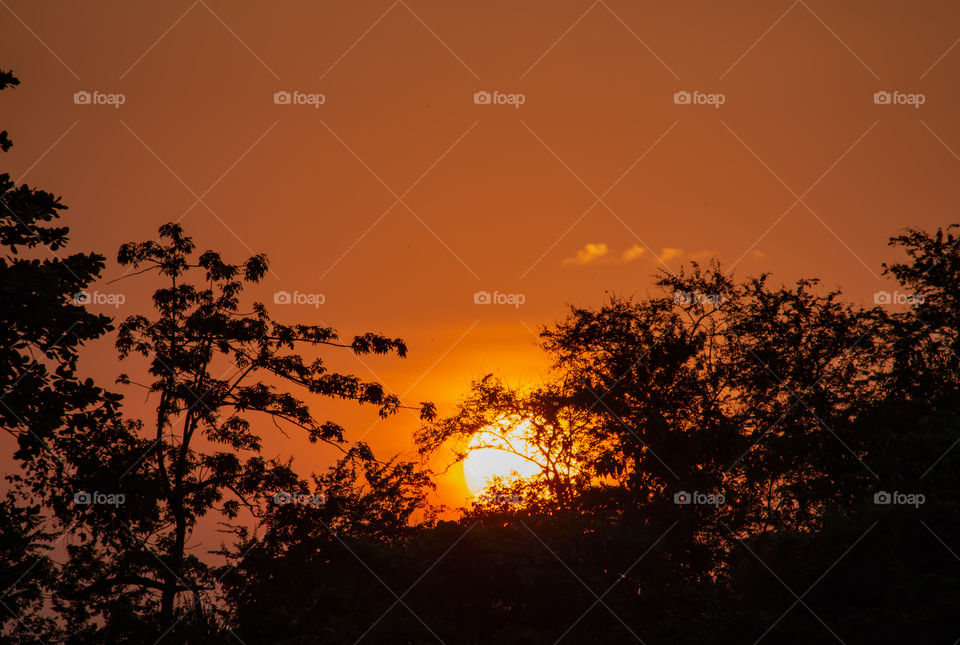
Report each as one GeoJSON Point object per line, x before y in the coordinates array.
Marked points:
{"type": "Point", "coordinates": [204, 450]}
{"type": "Point", "coordinates": [740, 390]}
{"type": "Point", "coordinates": [43, 323]}
{"type": "Point", "coordinates": [303, 579]}
{"type": "Point", "coordinates": [45, 404]}
{"type": "Point", "coordinates": [782, 399]}
{"type": "Point", "coordinates": [541, 426]}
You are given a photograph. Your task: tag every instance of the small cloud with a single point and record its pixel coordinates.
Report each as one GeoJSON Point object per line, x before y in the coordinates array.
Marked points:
{"type": "Point", "coordinates": [758, 255]}
{"type": "Point", "coordinates": [599, 253]}
{"type": "Point", "coordinates": [589, 253]}
{"type": "Point", "coordinates": [669, 253]}
{"type": "Point", "coordinates": [632, 253]}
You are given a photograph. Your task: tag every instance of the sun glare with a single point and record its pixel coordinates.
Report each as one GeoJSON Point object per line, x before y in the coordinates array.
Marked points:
{"type": "Point", "coordinates": [482, 464]}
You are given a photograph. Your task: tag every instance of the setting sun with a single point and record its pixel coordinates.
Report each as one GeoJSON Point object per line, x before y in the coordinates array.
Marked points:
{"type": "Point", "coordinates": [553, 321]}
{"type": "Point", "coordinates": [514, 455]}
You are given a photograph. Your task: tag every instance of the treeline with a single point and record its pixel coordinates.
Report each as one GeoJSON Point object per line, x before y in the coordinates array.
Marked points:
{"type": "Point", "coordinates": [97, 518]}
{"type": "Point", "coordinates": [727, 462]}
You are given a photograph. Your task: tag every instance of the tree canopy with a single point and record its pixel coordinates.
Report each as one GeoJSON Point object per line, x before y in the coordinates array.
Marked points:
{"type": "Point", "coordinates": [728, 460]}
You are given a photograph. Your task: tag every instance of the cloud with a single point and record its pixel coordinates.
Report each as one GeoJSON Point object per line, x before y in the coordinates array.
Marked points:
{"type": "Point", "coordinates": [599, 253]}
{"type": "Point", "coordinates": [669, 253]}
{"type": "Point", "coordinates": [632, 253]}
{"type": "Point", "coordinates": [589, 254]}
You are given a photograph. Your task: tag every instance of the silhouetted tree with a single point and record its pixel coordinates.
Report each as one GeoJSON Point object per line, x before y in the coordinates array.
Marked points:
{"type": "Point", "coordinates": [541, 426]}
{"type": "Point", "coordinates": [739, 390]}
{"type": "Point", "coordinates": [45, 404]}
{"type": "Point", "coordinates": [787, 405]}
{"type": "Point", "coordinates": [217, 374]}
{"type": "Point", "coordinates": [311, 575]}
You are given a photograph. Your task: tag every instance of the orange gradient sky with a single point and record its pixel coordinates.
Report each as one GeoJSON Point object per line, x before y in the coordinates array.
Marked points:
{"type": "Point", "coordinates": [399, 197]}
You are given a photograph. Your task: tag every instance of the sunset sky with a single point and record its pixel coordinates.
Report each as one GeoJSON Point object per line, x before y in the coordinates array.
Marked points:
{"type": "Point", "coordinates": [400, 197]}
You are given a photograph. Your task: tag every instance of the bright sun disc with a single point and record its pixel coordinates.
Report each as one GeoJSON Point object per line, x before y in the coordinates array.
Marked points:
{"type": "Point", "coordinates": [482, 464]}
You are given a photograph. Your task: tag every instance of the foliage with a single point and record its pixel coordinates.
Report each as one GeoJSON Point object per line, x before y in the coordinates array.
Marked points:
{"type": "Point", "coordinates": [45, 404]}
{"type": "Point", "coordinates": [793, 405]}
{"type": "Point", "coordinates": [712, 461]}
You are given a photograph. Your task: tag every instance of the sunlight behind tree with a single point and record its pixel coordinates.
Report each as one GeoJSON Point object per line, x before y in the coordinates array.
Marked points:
{"type": "Point", "coordinates": [503, 451]}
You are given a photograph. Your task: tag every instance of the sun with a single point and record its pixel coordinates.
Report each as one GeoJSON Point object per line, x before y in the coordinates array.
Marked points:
{"type": "Point", "coordinates": [482, 464]}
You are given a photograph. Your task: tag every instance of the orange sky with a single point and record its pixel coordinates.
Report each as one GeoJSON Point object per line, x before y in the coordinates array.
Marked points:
{"type": "Point", "coordinates": [399, 198]}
